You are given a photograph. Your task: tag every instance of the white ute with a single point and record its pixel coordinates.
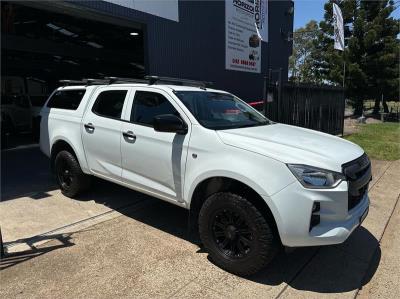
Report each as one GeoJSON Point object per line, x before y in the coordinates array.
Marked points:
{"type": "Point", "coordinates": [251, 185]}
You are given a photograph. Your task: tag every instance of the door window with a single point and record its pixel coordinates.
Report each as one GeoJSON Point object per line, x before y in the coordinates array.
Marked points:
{"type": "Point", "coordinates": [109, 103]}
{"type": "Point", "coordinates": [147, 105]}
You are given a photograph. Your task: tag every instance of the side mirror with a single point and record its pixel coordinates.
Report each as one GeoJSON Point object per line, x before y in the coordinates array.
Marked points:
{"type": "Point", "coordinates": [170, 123]}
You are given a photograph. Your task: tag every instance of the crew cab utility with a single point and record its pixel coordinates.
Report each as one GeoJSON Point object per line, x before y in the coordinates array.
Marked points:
{"type": "Point", "coordinates": [251, 185]}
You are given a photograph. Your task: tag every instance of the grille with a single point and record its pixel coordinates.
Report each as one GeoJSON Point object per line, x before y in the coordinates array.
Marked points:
{"type": "Point", "coordinates": [358, 174]}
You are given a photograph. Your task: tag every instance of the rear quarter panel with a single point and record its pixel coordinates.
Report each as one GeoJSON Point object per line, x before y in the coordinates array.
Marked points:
{"type": "Point", "coordinates": [61, 124]}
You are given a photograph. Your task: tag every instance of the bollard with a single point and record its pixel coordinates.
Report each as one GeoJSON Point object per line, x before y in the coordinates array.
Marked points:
{"type": "Point", "coordinates": [2, 254]}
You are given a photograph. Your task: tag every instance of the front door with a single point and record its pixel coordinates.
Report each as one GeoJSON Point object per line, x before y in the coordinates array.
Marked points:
{"type": "Point", "coordinates": [153, 161]}
{"type": "Point", "coordinates": [101, 132]}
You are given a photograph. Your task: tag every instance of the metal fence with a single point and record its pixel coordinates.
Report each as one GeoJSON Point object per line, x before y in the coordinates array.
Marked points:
{"type": "Point", "coordinates": [319, 108]}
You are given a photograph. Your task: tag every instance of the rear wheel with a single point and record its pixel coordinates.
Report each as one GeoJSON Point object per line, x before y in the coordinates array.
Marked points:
{"type": "Point", "coordinates": [235, 234]}
{"type": "Point", "coordinates": [70, 177]}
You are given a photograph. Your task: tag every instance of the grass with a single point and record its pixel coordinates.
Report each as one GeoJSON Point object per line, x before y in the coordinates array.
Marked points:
{"type": "Point", "coordinates": [380, 141]}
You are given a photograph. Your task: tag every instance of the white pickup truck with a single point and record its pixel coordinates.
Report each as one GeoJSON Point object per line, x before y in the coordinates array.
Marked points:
{"type": "Point", "coordinates": [251, 185]}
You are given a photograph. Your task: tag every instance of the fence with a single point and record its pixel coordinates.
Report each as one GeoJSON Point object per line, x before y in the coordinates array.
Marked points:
{"type": "Point", "coordinates": [319, 108]}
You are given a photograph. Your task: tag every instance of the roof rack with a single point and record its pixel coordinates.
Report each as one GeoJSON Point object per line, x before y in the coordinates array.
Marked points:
{"type": "Point", "coordinates": [84, 82]}
{"type": "Point", "coordinates": [156, 79]}
{"type": "Point", "coordinates": [113, 80]}
{"type": "Point", "coordinates": [105, 80]}
{"type": "Point", "coordinates": [147, 80]}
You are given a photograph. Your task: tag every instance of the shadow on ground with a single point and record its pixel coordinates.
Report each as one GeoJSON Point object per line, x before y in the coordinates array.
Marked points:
{"type": "Point", "coordinates": [53, 242]}
{"type": "Point", "coordinates": [332, 269]}
{"type": "Point", "coordinates": [25, 171]}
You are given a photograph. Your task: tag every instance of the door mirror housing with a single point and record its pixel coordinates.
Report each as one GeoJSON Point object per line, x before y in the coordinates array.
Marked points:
{"type": "Point", "coordinates": [170, 123]}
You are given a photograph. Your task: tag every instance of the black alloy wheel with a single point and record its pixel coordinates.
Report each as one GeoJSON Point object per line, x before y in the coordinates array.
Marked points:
{"type": "Point", "coordinates": [64, 174]}
{"type": "Point", "coordinates": [236, 235]}
{"type": "Point", "coordinates": [69, 174]}
{"type": "Point", "coordinates": [232, 234]}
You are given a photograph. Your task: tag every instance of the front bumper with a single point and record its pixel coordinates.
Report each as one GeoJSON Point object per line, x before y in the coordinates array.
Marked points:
{"type": "Point", "coordinates": [292, 208]}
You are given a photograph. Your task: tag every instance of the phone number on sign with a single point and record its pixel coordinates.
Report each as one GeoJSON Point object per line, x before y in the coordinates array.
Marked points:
{"type": "Point", "coordinates": [243, 62]}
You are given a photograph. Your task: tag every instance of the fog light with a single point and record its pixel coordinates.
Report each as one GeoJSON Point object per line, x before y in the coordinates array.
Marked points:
{"type": "Point", "coordinates": [316, 207]}
{"type": "Point", "coordinates": [315, 218]}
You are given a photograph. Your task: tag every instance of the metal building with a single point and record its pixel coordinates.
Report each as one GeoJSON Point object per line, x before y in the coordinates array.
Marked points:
{"type": "Point", "coordinates": [44, 41]}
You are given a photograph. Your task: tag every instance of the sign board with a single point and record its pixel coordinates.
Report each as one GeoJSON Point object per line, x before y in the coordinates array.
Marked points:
{"type": "Point", "coordinates": [167, 9]}
{"type": "Point", "coordinates": [242, 39]}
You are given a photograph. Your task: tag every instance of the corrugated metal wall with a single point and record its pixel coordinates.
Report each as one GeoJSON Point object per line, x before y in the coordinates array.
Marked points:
{"type": "Point", "coordinates": [194, 47]}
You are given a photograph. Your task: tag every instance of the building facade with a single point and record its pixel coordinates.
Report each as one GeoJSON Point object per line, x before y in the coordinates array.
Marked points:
{"type": "Point", "coordinates": [45, 41]}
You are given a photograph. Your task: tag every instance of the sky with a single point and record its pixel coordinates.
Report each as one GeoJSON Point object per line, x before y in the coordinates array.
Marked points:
{"type": "Point", "coordinates": [307, 10]}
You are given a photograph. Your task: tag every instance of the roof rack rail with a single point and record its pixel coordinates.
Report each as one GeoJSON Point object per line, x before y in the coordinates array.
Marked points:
{"type": "Point", "coordinates": [113, 80]}
{"type": "Point", "coordinates": [84, 82]}
{"type": "Point", "coordinates": [105, 80]}
{"type": "Point", "coordinates": [156, 79]}
{"type": "Point", "coordinates": [147, 80]}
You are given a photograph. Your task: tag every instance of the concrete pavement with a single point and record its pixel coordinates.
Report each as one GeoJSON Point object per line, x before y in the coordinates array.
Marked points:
{"type": "Point", "coordinates": [116, 242]}
{"type": "Point", "coordinates": [386, 283]}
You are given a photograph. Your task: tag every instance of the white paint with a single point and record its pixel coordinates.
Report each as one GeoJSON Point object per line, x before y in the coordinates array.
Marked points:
{"type": "Point", "coordinates": [163, 164]}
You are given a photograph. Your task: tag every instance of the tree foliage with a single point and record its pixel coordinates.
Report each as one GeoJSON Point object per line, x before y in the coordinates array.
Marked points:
{"type": "Point", "coordinates": [371, 55]}
{"type": "Point", "coordinates": [381, 47]}
{"type": "Point", "coordinates": [301, 63]}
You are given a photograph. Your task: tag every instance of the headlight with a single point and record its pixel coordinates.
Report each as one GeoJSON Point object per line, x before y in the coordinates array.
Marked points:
{"type": "Point", "coordinates": [313, 177]}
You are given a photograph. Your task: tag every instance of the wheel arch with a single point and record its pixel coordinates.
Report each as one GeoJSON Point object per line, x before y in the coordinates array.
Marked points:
{"type": "Point", "coordinates": [58, 146]}
{"type": "Point", "coordinates": [215, 184]}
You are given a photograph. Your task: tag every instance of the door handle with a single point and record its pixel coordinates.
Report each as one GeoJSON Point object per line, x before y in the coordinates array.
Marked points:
{"type": "Point", "coordinates": [89, 127]}
{"type": "Point", "coordinates": [129, 135]}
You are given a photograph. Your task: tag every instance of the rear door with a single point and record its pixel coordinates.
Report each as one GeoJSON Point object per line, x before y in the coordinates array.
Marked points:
{"type": "Point", "coordinates": [101, 131]}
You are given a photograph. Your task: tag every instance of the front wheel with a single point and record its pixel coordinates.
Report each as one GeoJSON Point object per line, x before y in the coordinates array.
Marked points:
{"type": "Point", "coordinates": [69, 174]}
{"type": "Point", "coordinates": [235, 234]}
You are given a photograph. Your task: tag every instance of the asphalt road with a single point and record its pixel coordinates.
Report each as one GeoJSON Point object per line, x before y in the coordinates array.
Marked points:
{"type": "Point", "coordinates": [114, 242]}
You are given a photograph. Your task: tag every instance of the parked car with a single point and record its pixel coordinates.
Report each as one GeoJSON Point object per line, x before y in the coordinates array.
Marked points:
{"type": "Point", "coordinates": [251, 185]}
{"type": "Point", "coordinates": [15, 107]}
{"type": "Point", "coordinates": [21, 102]}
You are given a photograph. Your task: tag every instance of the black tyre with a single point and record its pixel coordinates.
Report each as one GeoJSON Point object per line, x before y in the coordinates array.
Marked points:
{"type": "Point", "coordinates": [70, 177]}
{"type": "Point", "coordinates": [236, 235]}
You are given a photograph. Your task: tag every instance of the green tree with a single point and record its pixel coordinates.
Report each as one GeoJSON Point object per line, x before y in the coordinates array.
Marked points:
{"type": "Point", "coordinates": [371, 54]}
{"type": "Point", "coordinates": [381, 47]}
{"type": "Point", "coordinates": [301, 64]}
{"type": "Point", "coordinates": [356, 79]}
{"type": "Point", "coordinates": [328, 60]}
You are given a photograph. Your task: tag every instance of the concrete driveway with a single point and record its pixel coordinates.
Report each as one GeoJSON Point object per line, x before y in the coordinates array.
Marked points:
{"type": "Point", "coordinates": [114, 242]}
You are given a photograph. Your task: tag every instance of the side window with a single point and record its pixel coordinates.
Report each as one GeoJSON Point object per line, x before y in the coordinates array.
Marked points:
{"type": "Point", "coordinates": [109, 103]}
{"type": "Point", "coordinates": [66, 99]}
{"type": "Point", "coordinates": [146, 105]}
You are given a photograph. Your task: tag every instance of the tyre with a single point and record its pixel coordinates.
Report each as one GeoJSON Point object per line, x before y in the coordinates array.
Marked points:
{"type": "Point", "coordinates": [69, 175]}
{"type": "Point", "coordinates": [236, 235]}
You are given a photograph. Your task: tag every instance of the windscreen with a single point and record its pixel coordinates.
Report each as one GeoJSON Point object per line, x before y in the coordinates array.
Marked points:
{"type": "Point", "coordinates": [220, 111]}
